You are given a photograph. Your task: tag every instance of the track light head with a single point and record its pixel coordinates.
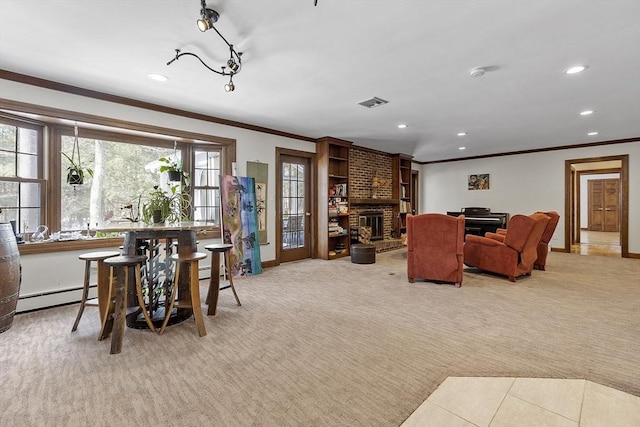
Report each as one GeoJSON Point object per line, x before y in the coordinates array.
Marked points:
{"type": "Point", "coordinates": [233, 65]}
{"type": "Point", "coordinates": [229, 87]}
{"type": "Point", "coordinates": [208, 17]}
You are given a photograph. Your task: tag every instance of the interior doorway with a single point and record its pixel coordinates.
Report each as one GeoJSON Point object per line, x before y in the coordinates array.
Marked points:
{"type": "Point", "coordinates": [596, 206]}
{"type": "Point", "coordinates": [415, 182]}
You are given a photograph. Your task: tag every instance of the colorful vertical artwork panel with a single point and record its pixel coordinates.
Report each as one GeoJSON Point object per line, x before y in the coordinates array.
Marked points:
{"type": "Point", "coordinates": [260, 171]}
{"type": "Point", "coordinates": [240, 224]}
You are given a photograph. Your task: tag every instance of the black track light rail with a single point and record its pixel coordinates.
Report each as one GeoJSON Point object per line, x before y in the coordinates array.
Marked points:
{"type": "Point", "coordinates": [179, 53]}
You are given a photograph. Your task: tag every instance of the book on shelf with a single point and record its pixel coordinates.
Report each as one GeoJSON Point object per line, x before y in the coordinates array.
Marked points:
{"type": "Point", "coordinates": [338, 190]}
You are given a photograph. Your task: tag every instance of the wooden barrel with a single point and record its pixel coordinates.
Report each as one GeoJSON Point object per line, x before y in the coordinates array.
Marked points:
{"type": "Point", "coordinates": [10, 275]}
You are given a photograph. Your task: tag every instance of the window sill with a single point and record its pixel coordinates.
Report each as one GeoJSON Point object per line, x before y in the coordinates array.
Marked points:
{"type": "Point", "coordinates": [71, 245]}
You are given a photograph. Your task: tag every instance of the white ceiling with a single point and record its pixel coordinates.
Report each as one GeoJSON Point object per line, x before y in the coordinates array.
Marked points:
{"type": "Point", "coordinates": [305, 68]}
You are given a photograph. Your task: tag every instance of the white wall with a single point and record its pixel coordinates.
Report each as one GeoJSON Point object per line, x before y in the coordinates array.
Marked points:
{"type": "Point", "coordinates": [251, 146]}
{"type": "Point", "coordinates": [523, 183]}
{"type": "Point", "coordinates": [584, 194]}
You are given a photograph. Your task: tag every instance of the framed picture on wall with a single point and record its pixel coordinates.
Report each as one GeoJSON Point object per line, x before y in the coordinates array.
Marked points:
{"type": "Point", "coordinates": [478, 181]}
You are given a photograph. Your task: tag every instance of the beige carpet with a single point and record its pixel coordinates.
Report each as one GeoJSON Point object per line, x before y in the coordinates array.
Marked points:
{"type": "Point", "coordinates": [328, 343]}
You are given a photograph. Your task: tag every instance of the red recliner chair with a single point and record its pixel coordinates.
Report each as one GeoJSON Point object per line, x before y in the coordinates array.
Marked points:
{"type": "Point", "coordinates": [435, 247]}
{"type": "Point", "coordinates": [543, 246]}
{"type": "Point", "coordinates": [512, 257]}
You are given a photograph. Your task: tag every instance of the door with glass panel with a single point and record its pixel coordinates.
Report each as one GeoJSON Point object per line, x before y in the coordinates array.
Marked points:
{"type": "Point", "coordinates": [294, 213]}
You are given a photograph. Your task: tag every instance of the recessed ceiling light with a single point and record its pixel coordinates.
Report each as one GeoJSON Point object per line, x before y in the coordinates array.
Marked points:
{"type": "Point", "coordinates": [462, 148]}
{"type": "Point", "coordinates": [462, 134]}
{"type": "Point", "coordinates": [477, 72]}
{"type": "Point", "coordinates": [576, 69]}
{"type": "Point", "coordinates": [158, 77]}
{"type": "Point", "coordinates": [592, 133]}
{"type": "Point", "coordinates": [586, 112]}
{"type": "Point", "coordinates": [402, 126]}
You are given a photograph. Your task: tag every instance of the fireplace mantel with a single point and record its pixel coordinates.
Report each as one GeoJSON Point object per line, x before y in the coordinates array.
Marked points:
{"type": "Point", "coordinates": [354, 202]}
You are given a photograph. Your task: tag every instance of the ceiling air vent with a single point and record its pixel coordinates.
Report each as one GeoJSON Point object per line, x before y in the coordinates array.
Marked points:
{"type": "Point", "coordinates": [373, 102]}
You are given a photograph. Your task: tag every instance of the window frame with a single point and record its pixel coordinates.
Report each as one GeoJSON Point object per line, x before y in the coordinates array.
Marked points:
{"type": "Point", "coordinates": [40, 129]}
{"type": "Point", "coordinates": [55, 121]}
{"type": "Point", "coordinates": [204, 148]}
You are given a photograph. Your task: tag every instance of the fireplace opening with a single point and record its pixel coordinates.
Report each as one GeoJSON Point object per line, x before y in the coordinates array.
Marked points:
{"type": "Point", "coordinates": [375, 220]}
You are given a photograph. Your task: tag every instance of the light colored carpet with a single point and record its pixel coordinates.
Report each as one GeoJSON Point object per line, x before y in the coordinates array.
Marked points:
{"type": "Point", "coordinates": [330, 343]}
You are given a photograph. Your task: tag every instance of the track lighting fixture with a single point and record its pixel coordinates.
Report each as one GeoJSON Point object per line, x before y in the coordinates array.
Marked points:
{"type": "Point", "coordinates": [234, 64]}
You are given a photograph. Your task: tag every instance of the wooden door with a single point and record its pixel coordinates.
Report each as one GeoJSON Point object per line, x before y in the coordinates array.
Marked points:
{"type": "Point", "coordinates": [295, 208]}
{"type": "Point", "coordinates": [604, 202]}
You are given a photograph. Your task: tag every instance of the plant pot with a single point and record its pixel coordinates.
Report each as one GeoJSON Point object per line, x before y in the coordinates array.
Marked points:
{"type": "Point", "coordinates": [156, 217]}
{"type": "Point", "coordinates": [174, 176]}
{"type": "Point", "coordinates": [74, 178]}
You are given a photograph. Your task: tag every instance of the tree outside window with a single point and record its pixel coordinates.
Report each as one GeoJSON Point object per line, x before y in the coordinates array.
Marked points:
{"type": "Point", "coordinates": [122, 173]}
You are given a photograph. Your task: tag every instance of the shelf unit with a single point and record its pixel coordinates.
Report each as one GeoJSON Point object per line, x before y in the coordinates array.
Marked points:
{"type": "Point", "coordinates": [333, 198]}
{"type": "Point", "coordinates": [402, 191]}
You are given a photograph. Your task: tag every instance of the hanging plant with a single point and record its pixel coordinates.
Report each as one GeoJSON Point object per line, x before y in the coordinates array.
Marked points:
{"type": "Point", "coordinates": [173, 167]}
{"type": "Point", "coordinates": [75, 172]}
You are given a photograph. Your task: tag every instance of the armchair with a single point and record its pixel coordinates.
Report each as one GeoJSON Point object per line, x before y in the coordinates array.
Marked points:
{"type": "Point", "coordinates": [515, 255]}
{"type": "Point", "coordinates": [434, 247]}
{"type": "Point", "coordinates": [543, 246]}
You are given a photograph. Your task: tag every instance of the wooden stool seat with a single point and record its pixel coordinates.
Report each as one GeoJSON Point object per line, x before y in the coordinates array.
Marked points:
{"type": "Point", "coordinates": [194, 289]}
{"type": "Point", "coordinates": [214, 282]}
{"type": "Point", "coordinates": [120, 272]}
{"type": "Point", "coordinates": [102, 279]}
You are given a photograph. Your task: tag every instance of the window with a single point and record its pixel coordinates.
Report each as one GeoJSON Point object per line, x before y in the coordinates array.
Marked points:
{"type": "Point", "coordinates": [125, 162]}
{"type": "Point", "coordinates": [123, 176]}
{"type": "Point", "coordinates": [293, 205]}
{"type": "Point", "coordinates": [206, 185]}
{"type": "Point", "coordinates": [21, 183]}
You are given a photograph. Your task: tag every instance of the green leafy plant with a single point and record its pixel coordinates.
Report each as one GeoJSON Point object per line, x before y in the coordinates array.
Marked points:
{"type": "Point", "coordinates": [161, 206]}
{"type": "Point", "coordinates": [175, 170]}
{"type": "Point", "coordinates": [75, 173]}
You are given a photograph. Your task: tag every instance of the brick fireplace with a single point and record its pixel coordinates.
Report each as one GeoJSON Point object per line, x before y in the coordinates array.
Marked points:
{"type": "Point", "coordinates": [363, 165]}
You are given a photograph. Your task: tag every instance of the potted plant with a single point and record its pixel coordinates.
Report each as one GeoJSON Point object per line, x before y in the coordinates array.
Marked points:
{"type": "Point", "coordinates": [156, 208]}
{"type": "Point", "coordinates": [75, 173]}
{"type": "Point", "coordinates": [174, 170]}
{"type": "Point", "coordinates": [161, 206]}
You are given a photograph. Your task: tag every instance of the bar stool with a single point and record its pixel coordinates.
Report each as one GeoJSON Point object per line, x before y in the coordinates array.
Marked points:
{"type": "Point", "coordinates": [194, 289]}
{"type": "Point", "coordinates": [102, 283]}
{"type": "Point", "coordinates": [214, 282]}
{"type": "Point", "coordinates": [120, 273]}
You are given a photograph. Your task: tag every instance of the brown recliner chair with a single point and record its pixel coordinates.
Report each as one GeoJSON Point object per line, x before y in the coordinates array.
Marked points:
{"type": "Point", "coordinates": [512, 257]}
{"type": "Point", "coordinates": [543, 246]}
{"type": "Point", "coordinates": [434, 247]}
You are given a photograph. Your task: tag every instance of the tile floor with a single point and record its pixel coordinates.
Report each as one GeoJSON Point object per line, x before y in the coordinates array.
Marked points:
{"type": "Point", "coordinates": [524, 402]}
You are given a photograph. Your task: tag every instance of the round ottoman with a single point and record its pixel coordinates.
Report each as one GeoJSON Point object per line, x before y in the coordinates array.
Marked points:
{"type": "Point", "coordinates": [363, 254]}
